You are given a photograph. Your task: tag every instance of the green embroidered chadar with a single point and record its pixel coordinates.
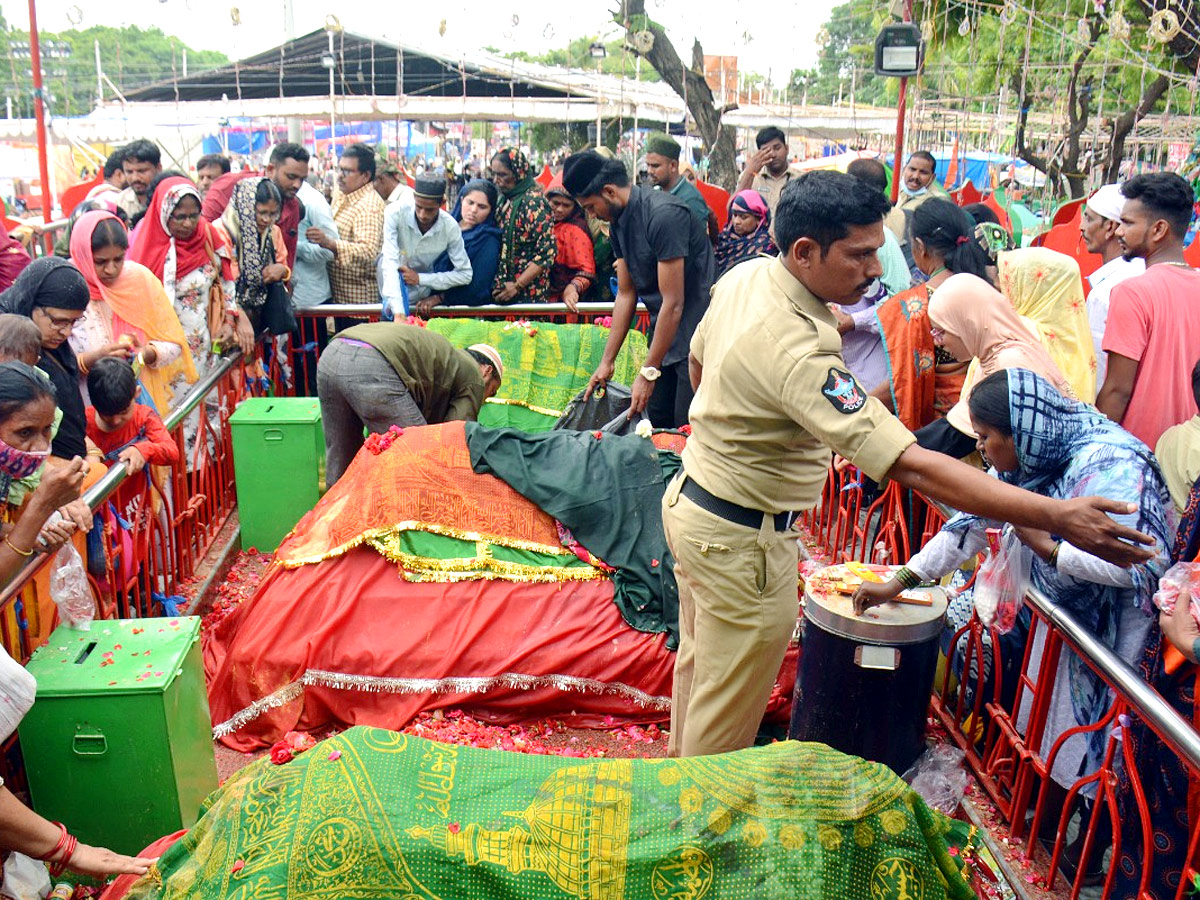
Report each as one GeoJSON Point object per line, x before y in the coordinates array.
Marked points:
{"type": "Point", "coordinates": [379, 814]}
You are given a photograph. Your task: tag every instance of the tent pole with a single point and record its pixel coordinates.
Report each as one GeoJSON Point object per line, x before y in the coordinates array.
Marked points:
{"type": "Point", "coordinates": [39, 109]}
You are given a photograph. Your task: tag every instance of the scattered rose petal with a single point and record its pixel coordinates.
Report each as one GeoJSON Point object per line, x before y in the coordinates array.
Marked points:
{"type": "Point", "coordinates": [335, 755]}
{"type": "Point", "coordinates": [237, 867]}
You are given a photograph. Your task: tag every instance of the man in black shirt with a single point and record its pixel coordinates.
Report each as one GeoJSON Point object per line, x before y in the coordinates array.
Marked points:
{"type": "Point", "coordinates": [662, 256]}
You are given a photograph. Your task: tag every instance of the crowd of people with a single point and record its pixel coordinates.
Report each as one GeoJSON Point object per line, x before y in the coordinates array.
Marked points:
{"type": "Point", "coordinates": [914, 340]}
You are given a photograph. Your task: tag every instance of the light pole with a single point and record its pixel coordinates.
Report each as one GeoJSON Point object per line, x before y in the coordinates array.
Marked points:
{"type": "Point", "coordinates": [598, 52]}
{"type": "Point", "coordinates": [329, 61]}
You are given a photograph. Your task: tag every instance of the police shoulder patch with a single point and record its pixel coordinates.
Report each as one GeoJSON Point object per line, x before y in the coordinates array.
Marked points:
{"type": "Point", "coordinates": [843, 392]}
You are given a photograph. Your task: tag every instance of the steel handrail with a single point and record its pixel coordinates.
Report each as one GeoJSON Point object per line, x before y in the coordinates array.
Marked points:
{"type": "Point", "coordinates": [1178, 733]}
{"type": "Point", "coordinates": [1171, 727]}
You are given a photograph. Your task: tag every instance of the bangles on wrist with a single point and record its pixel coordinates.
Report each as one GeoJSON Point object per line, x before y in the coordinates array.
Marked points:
{"type": "Point", "coordinates": [60, 857]}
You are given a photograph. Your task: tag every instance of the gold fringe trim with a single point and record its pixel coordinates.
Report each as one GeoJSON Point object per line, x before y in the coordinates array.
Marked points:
{"type": "Point", "coordinates": [483, 566]}
{"type": "Point", "coordinates": [376, 534]}
{"type": "Point", "coordinates": [545, 411]}
{"type": "Point", "coordinates": [466, 684]}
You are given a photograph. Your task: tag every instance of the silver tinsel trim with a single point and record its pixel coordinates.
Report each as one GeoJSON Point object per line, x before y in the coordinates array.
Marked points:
{"type": "Point", "coordinates": [450, 685]}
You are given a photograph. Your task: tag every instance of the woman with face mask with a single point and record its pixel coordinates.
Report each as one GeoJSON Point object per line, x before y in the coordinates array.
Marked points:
{"type": "Point", "coordinates": [27, 408]}
{"type": "Point", "coordinates": [26, 420]}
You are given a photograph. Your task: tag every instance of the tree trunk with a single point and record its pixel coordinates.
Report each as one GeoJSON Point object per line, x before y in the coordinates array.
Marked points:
{"type": "Point", "coordinates": [690, 85]}
{"type": "Point", "coordinates": [1125, 123]}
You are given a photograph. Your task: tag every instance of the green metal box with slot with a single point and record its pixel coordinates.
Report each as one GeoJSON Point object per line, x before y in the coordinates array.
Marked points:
{"type": "Point", "coordinates": [118, 745]}
{"type": "Point", "coordinates": [278, 464]}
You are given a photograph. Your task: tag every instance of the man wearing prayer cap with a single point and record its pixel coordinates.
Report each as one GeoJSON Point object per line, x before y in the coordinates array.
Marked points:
{"type": "Point", "coordinates": [423, 250]}
{"type": "Point", "coordinates": [1098, 225]}
{"type": "Point", "coordinates": [662, 163]}
{"type": "Point", "coordinates": [663, 256]}
{"type": "Point", "coordinates": [382, 374]}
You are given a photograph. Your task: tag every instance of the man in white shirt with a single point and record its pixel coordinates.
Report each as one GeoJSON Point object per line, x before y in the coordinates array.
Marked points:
{"type": "Point", "coordinates": [415, 235]}
{"type": "Point", "coordinates": [391, 185]}
{"type": "Point", "coordinates": [1101, 219]}
{"type": "Point", "coordinates": [310, 284]}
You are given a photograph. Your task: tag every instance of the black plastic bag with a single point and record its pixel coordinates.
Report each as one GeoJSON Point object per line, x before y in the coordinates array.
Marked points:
{"type": "Point", "coordinates": [606, 410]}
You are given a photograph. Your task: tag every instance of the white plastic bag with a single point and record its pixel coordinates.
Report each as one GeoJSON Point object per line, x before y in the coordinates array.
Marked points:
{"type": "Point", "coordinates": [1002, 581]}
{"type": "Point", "coordinates": [70, 590]}
{"type": "Point", "coordinates": [25, 878]}
{"type": "Point", "coordinates": [939, 778]}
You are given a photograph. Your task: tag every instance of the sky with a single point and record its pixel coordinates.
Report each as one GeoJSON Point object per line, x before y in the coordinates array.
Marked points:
{"type": "Point", "coordinates": [765, 42]}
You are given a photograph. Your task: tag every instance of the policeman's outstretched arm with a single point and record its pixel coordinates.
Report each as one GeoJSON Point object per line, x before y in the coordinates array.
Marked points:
{"type": "Point", "coordinates": [1083, 521]}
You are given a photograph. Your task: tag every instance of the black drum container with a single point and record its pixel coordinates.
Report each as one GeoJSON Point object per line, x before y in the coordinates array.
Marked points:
{"type": "Point", "coordinates": [864, 682]}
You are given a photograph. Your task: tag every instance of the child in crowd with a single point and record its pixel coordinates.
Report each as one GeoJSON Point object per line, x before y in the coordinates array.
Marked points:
{"type": "Point", "coordinates": [574, 268]}
{"type": "Point", "coordinates": [124, 430]}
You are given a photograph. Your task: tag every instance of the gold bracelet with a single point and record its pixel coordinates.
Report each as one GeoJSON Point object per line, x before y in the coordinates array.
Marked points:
{"type": "Point", "coordinates": [15, 549]}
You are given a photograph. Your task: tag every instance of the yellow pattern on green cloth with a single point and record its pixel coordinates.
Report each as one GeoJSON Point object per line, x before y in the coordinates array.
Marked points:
{"type": "Point", "coordinates": [377, 814]}
{"type": "Point", "coordinates": [545, 370]}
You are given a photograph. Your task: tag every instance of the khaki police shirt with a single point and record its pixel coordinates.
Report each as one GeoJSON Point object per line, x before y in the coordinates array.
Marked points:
{"type": "Point", "coordinates": [776, 396]}
{"type": "Point", "coordinates": [771, 186]}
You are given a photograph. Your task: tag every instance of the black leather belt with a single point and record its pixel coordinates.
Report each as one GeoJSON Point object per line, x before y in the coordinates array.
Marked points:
{"type": "Point", "coordinates": [732, 512]}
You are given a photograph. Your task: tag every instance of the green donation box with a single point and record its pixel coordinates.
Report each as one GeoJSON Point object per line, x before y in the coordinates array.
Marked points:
{"type": "Point", "coordinates": [279, 465]}
{"type": "Point", "coordinates": [118, 745]}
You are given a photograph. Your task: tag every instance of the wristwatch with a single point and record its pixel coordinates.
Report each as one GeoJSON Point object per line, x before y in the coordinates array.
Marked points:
{"type": "Point", "coordinates": [650, 373]}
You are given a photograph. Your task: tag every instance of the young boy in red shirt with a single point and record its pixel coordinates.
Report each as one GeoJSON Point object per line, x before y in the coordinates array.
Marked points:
{"type": "Point", "coordinates": [124, 430]}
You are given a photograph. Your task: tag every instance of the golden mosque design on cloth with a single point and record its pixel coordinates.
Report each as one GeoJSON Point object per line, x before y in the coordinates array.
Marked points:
{"type": "Point", "coordinates": [371, 813]}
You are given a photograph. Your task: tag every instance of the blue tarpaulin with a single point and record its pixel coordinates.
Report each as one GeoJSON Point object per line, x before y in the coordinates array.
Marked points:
{"type": "Point", "coordinates": [973, 166]}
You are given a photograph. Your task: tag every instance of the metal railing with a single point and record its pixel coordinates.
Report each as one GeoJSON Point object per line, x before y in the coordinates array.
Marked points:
{"type": "Point", "coordinates": [1003, 730]}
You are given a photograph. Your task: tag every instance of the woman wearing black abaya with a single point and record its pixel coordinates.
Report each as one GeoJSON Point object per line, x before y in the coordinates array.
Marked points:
{"type": "Point", "coordinates": [54, 294]}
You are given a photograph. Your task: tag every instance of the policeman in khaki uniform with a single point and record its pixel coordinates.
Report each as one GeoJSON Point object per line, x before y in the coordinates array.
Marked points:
{"type": "Point", "coordinates": [774, 395]}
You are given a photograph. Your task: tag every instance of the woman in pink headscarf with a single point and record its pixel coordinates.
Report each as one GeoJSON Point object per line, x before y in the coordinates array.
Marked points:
{"type": "Point", "coordinates": [974, 322]}
{"type": "Point", "coordinates": [747, 234]}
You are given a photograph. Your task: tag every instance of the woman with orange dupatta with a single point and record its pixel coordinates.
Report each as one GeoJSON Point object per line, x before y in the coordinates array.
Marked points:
{"type": "Point", "coordinates": [129, 316]}
{"type": "Point", "coordinates": [925, 380]}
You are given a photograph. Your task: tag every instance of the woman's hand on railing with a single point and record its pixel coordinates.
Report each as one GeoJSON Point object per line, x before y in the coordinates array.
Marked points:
{"type": "Point", "coordinates": [872, 593]}
{"type": "Point", "coordinates": [55, 533]}
{"type": "Point", "coordinates": [570, 296]}
{"type": "Point", "coordinates": [60, 485]}
{"type": "Point", "coordinates": [1180, 627]}
{"type": "Point", "coordinates": [244, 332]}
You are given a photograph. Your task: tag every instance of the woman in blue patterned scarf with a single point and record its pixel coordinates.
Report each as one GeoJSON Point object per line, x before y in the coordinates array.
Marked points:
{"type": "Point", "coordinates": [1039, 440]}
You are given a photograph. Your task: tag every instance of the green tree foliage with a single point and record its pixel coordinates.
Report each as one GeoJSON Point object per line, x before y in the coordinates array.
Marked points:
{"type": "Point", "coordinates": [577, 55]}
{"type": "Point", "coordinates": [846, 60]}
{"type": "Point", "coordinates": [129, 56]}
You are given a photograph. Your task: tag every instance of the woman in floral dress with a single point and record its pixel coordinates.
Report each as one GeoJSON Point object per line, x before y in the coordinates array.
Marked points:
{"type": "Point", "coordinates": [185, 252]}
{"type": "Point", "coordinates": [528, 249]}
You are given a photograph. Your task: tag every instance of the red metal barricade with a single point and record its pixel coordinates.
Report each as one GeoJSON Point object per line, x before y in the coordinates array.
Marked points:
{"type": "Point", "coordinates": [1001, 724]}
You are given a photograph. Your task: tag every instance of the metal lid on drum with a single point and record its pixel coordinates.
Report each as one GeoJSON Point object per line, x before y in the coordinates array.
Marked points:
{"type": "Point", "coordinates": [888, 624]}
